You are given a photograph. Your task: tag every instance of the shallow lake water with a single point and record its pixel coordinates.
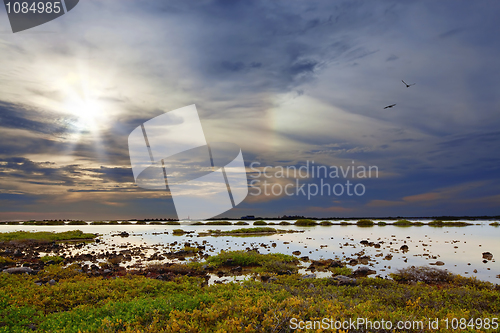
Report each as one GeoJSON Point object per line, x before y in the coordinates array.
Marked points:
{"type": "Point", "coordinates": [459, 248]}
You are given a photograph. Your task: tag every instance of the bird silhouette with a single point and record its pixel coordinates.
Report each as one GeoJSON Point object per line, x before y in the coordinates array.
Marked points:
{"type": "Point", "coordinates": [407, 85]}
{"type": "Point", "coordinates": [389, 106]}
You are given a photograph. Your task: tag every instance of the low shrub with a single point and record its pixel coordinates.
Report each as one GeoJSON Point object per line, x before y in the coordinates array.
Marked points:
{"type": "Point", "coordinates": [248, 258]}
{"type": "Point", "coordinates": [365, 223]}
{"type": "Point", "coordinates": [55, 259]}
{"type": "Point", "coordinates": [156, 223]}
{"type": "Point", "coordinates": [403, 223]}
{"type": "Point", "coordinates": [260, 222]}
{"type": "Point", "coordinates": [45, 235]}
{"type": "Point", "coordinates": [98, 223]}
{"type": "Point", "coordinates": [77, 223]}
{"type": "Point", "coordinates": [325, 223]}
{"type": "Point", "coordinates": [172, 223]}
{"type": "Point", "coordinates": [439, 223]}
{"type": "Point", "coordinates": [241, 223]}
{"type": "Point", "coordinates": [305, 223]}
{"type": "Point", "coordinates": [218, 223]}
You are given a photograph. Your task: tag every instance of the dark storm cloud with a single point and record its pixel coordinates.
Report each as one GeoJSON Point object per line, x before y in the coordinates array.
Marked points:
{"type": "Point", "coordinates": [35, 173]}
{"type": "Point", "coordinates": [19, 117]}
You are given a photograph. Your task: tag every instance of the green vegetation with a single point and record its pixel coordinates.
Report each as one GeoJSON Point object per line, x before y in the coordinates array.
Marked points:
{"type": "Point", "coordinates": [365, 223]}
{"type": "Point", "coordinates": [113, 222]}
{"type": "Point", "coordinates": [284, 223]}
{"type": "Point", "coordinates": [55, 259]}
{"type": "Point", "coordinates": [4, 261]}
{"type": "Point", "coordinates": [13, 222]}
{"type": "Point", "coordinates": [141, 222]}
{"type": "Point", "coordinates": [344, 223]}
{"type": "Point", "coordinates": [77, 223]}
{"type": "Point", "coordinates": [403, 223]}
{"type": "Point", "coordinates": [241, 223]}
{"type": "Point", "coordinates": [346, 271]}
{"type": "Point", "coordinates": [178, 232]}
{"type": "Point", "coordinates": [247, 230]}
{"type": "Point", "coordinates": [260, 222]}
{"type": "Point", "coordinates": [78, 303]}
{"type": "Point", "coordinates": [44, 223]}
{"type": "Point", "coordinates": [248, 258]}
{"type": "Point", "coordinates": [438, 223]}
{"type": "Point", "coordinates": [495, 224]}
{"type": "Point", "coordinates": [218, 223]}
{"type": "Point", "coordinates": [125, 222]}
{"type": "Point", "coordinates": [198, 223]}
{"type": "Point", "coordinates": [156, 223]}
{"type": "Point", "coordinates": [98, 223]}
{"type": "Point", "coordinates": [45, 235]}
{"type": "Point", "coordinates": [172, 223]}
{"type": "Point", "coordinates": [305, 223]}
{"type": "Point", "coordinates": [325, 223]}
{"type": "Point", "coordinates": [381, 223]}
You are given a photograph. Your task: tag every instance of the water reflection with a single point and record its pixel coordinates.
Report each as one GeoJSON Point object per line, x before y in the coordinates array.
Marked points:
{"type": "Point", "coordinates": [459, 248]}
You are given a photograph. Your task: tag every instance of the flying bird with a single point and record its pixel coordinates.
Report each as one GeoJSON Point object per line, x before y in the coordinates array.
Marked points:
{"type": "Point", "coordinates": [407, 85]}
{"type": "Point", "coordinates": [389, 106]}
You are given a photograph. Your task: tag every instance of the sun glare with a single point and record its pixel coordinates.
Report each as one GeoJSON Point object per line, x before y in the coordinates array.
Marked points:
{"type": "Point", "coordinates": [88, 113]}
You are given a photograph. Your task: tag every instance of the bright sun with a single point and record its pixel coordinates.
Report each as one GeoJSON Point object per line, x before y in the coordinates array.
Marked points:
{"type": "Point", "coordinates": [88, 112]}
{"type": "Point", "coordinates": [82, 104]}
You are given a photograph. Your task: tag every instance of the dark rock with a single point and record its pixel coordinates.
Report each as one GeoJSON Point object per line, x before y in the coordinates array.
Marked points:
{"type": "Point", "coordinates": [19, 270]}
{"type": "Point", "coordinates": [487, 255]}
{"type": "Point", "coordinates": [309, 276]}
{"type": "Point", "coordinates": [272, 279]}
{"type": "Point", "coordinates": [296, 253]}
{"type": "Point", "coordinates": [404, 248]}
{"type": "Point", "coordinates": [52, 282]}
{"type": "Point", "coordinates": [363, 271]}
{"type": "Point", "coordinates": [304, 258]}
{"type": "Point", "coordinates": [342, 280]}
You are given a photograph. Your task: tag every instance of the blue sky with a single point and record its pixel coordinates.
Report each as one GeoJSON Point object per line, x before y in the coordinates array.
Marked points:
{"type": "Point", "coordinates": [288, 81]}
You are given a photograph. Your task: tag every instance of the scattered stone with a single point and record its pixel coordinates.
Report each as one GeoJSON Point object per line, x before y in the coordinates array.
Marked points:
{"type": "Point", "coordinates": [404, 248]}
{"type": "Point", "coordinates": [52, 282]}
{"type": "Point", "coordinates": [309, 276]}
{"type": "Point", "coordinates": [437, 263]}
{"type": "Point", "coordinates": [487, 255]}
{"type": "Point", "coordinates": [296, 253]}
{"type": "Point", "coordinates": [363, 271]}
{"type": "Point", "coordinates": [344, 280]}
{"type": "Point", "coordinates": [18, 270]}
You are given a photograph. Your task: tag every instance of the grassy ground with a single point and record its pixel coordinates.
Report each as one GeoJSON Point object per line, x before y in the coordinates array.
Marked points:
{"type": "Point", "coordinates": [44, 235]}
{"type": "Point", "coordinates": [138, 304]}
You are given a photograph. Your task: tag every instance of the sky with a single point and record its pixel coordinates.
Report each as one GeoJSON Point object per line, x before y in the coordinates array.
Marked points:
{"type": "Point", "coordinates": [292, 83]}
